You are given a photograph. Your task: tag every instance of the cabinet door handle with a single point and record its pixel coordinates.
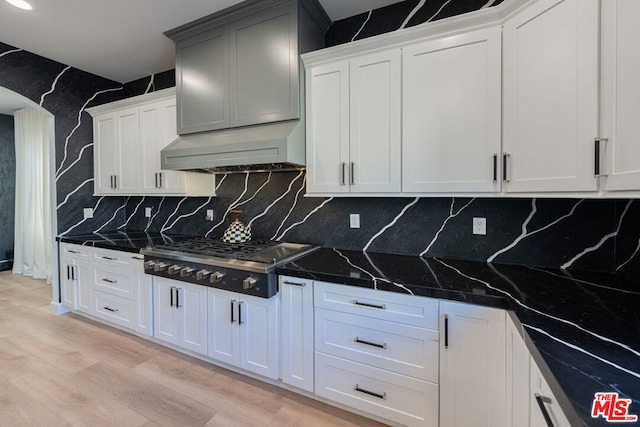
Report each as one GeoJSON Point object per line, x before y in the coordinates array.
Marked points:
{"type": "Point", "coordinates": [233, 303]}
{"type": "Point", "coordinates": [156, 175]}
{"type": "Point", "coordinates": [240, 322]}
{"type": "Point", "coordinates": [286, 282]}
{"type": "Point", "coordinates": [178, 297]}
{"type": "Point", "coordinates": [370, 393]}
{"type": "Point", "coordinates": [161, 179]}
{"type": "Point", "coordinates": [113, 310]}
{"type": "Point", "coordinates": [73, 272]}
{"type": "Point", "coordinates": [505, 157]}
{"type": "Point", "coordinates": [372, 344]}
{"type": "Point", "coordinates": [171, 289]}
{"type": "Point", "coordinates": [352, 173]}
{"type": "Point", "coordinates": [343, 175]}
{"type": "Point", "coordinates": [111, 178]}
{"type": "Point", "coordinates": [366, 304]}
{"type": "Point", "coordinates": [109, 281]}
{"type": "Point", "coordinates": [68, 273]}
{"type": "Point", "coordinates": [495, 167]}
{"type": "Point", "coordinates": [541, 401]}
{"type": "Point", "coordinates": [596, 156]}
{"type": "Point", "coordinates": [446, 331]}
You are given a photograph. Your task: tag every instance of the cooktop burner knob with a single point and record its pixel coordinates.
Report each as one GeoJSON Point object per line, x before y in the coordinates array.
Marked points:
{"type": "Point", "coordinates": [216, 277]}
{"type": "Point", "coordinates": [202, 274]}
{"type": "Point", "coordinates": [186, 271]}
{"type": "Point", "coordinates": [148, 265]}
{"type": "Point", "coordinates": [174, 269]}
{"type": "Point", "coordinates": [249, 282]}
{"type": "Point", "coordinates": [160, 266]}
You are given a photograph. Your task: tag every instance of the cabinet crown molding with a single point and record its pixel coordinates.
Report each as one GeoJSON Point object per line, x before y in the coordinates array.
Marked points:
{"type": "Point", "coordinates": [133, 101]}
{"type": "Point", "coordinates": [449, 26]}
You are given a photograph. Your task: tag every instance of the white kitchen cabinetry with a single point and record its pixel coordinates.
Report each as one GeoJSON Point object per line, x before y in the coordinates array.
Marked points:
{"type": "Point", "coordinates": [550, 87]}
{"type": "Point", "coordinates": [472, 365]}
{"type": "Point", "coordinates": [296, 313]}
{"type": "Point", "coordinates": [243, 331]}
{"type": "Point", "coordinates": [180, 314]}
{"type": "Point", "coordinates": [75, 282]}
{"type": "Point", "coordinates": [543, 402]}
{"type": "Point", "coordinates": [377, 352]}
{"type": "Point", "coordinates": [620, 92]}
{"type": "Point", "coordinates": [451, 113]}
{"type": "Point", "coordinates": [354, 124]}
{"type": "Point", "coordinates": [128, 137]}
{"type": "Point", "coordinates": [143, 283]}
{"type": "Point", "coordinates": [517, 377]}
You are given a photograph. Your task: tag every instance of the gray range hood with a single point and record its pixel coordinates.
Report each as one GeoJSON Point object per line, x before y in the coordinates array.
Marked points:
{"type": "Point", "coordinates": [274, 146]}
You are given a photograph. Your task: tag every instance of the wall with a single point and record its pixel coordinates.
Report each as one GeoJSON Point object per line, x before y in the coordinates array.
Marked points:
{"type": "Point", "coordinates": [7, 188]}
{"type": "Point", "coordinates": [581, 234]}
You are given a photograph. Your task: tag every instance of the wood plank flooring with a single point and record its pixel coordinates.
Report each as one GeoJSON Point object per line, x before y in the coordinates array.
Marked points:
{"type": "Point", "coordinates": [71, 371]}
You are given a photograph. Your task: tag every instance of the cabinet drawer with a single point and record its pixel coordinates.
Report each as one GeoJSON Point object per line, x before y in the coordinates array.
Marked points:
{"type": "Point", "coordinates": [407, 309]}
{"type": "Point", "coordinates": [115, 281]}
{"type": "Point", "coordinates": [395, 347]}
{"type": "Point", "coordinates": [114, 258]}
{"type": "Point", "coordinates": [398, 398]}
{"type": "Point", "coordinates": [114, 309]}
{"type": "Point", "coordinates": [75, 251]}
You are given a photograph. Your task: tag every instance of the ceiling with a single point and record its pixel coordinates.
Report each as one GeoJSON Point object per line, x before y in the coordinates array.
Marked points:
{"type": "Point", "coordinates": [121, 40]}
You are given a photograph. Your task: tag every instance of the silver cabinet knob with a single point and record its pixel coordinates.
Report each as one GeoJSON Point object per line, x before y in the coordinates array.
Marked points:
{"type": "Point", "coordinates": [249, 282]}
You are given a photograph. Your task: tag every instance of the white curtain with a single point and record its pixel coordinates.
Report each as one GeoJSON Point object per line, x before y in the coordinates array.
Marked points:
{"type": "Point", "coordinates": [32, 247]}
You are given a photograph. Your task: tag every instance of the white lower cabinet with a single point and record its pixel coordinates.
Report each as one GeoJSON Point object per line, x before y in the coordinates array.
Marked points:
{"type": "Point", "coordinates": [75, 271]}
{"type": "Point", "coordinates": [375, 351]}
{"type": "Point", "coordinates": [243, 331]}
{"type": "Point", "coordinates": [180, 314]}
{"type": "Point", "coordinates": [544, 405]}
{"type": "Point", "coordinates": [143, 288]}
{"type": "Point", "coordinates": [472, 365]}
{"type": "Point", "coordinates": [296, 333]}
{"type": "Point", "coordinates": [517, 377]}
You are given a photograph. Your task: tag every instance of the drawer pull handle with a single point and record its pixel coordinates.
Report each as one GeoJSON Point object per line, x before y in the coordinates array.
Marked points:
{"type": "Point", "coordinates": [372, 344]}
{"type": "Point", "coordinates": [109, 281]}
{"type": "Point", "coordinates": [137, 257]}
{"type": "Point", "coordinates": [286, 282]}
{"type": "Point", "coordinates": [541, 401]}
{"type": "Point", "coordinates": [113, 310]}
{"type": "Point", "coordinates": [71, 251]}
{"type": "Point", "coordinates": [370, 393]}
{"type": "Point", "coordinates": [110, 258]}
{"type": "Point", "coordinates": [366, 304]}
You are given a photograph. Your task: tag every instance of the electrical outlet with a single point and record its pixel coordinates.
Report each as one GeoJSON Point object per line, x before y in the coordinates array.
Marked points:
{"type": "Point", "coordinates": [88, 213]}
{"type": "Point", "coordinates": [354, 220]}
{"type": "Point", "coordinates": [480, 226]}
{"type": "Point", "coordinates": [209, 216]}
{"type": "Point", "coordinates": [147, 212]}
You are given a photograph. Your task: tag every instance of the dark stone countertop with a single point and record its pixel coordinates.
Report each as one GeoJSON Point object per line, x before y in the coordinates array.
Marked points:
{"type": "Point", "coordinates": [126, 241]}
{"type": "Point", "coordinates": [582, 328]}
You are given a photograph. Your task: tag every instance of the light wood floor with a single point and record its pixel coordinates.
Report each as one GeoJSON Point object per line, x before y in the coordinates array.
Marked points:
{"type": "Point", "coordinates": [68, 370]}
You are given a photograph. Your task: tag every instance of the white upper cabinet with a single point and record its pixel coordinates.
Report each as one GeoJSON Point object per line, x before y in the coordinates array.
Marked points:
{"type": "Point", "coordinates": [550, 66]}
{"type": "Point", "coordinates": [620, 93]}
{"type": "Point", "coordinates": [451, 113]}
{"type": "Point", "coordinates": [353, 130]}
{"type": "Point", "coordinates": [128, 137]}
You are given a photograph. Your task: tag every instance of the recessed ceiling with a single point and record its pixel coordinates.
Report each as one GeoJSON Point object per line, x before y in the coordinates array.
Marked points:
{"type": "Point", "coordinates": [121, 40]}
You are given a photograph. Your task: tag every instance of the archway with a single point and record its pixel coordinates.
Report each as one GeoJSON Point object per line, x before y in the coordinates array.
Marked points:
{"type": "Point", "coordinates": [11, 101]}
